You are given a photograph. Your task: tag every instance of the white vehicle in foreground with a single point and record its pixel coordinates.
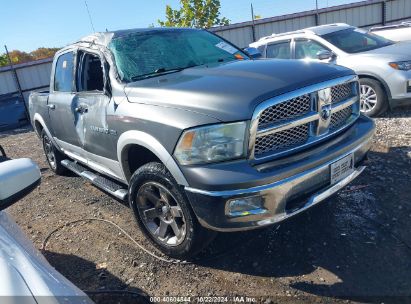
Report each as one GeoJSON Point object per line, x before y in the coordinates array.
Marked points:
{"type": "Point", "coordinates": [25, 275]}
{"type": "Point", "coordinates": [395, 32]}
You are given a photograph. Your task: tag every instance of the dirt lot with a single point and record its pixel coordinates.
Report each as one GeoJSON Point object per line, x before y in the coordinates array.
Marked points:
{"type": "Point", "coordinates": [355, 247]}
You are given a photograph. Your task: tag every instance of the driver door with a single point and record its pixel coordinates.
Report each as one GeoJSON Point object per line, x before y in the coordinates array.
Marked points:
{"type": "Point", "coordinates": [99, 138]}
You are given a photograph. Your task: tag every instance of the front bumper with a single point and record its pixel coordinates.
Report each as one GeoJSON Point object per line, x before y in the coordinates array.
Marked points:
{"type": "Point", "coordinates": [400, 88]}
{"type": "Point", "coordinates": [289, 186]}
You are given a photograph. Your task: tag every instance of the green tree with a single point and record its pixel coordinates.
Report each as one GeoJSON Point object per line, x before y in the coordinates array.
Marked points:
{"type": "Point", "coordinates": [20, 56]}
{"type": "Point", "coordinates": [195, 13]}
{"type": "Point", "coordinates": [3, 60]}
{"type": "Point", "coordinates": [43, 52]}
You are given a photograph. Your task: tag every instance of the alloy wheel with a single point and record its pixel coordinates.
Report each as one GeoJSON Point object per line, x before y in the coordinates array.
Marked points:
{"type": "Point", "coordinates": [161, 214]}
{"type": "Point", "coordinates": [368, 98]}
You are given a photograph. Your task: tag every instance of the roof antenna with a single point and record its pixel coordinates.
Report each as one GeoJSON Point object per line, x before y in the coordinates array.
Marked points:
{"type": "Point", "coordinates": [89, 16]}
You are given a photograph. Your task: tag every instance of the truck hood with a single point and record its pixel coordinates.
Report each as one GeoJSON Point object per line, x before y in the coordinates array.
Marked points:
{"type": "Point", "coordinates": [231, 91]}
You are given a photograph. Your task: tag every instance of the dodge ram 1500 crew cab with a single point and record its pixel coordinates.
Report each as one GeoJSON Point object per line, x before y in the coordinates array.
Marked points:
{"type": "Point", "coordinates": [196, 135]}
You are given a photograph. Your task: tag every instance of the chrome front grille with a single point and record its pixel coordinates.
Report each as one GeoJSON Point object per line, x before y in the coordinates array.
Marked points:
{"type": "Point", "coordinates": [282, 140]}
{"type": "Point", "coordinates": [299, 119]}
{"type": "Point", "coordinates": [340, 118]}
{"type": "Point", "coordinates": [289, 109]}
{"type": "Point", "coordinates": [341, 92]}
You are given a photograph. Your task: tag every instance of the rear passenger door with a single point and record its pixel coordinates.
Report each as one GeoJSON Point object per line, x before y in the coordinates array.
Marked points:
{"type": "Point", "coordinates": [279, 50]}
{"type": "Point", "coordinates": [62, 109]}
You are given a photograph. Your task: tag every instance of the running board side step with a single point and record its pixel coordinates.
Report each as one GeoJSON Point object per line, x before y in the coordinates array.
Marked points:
{"type": "Point", "coordinates": [111, 187]}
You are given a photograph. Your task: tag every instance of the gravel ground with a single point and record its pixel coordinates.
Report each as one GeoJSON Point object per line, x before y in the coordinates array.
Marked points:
{"type": "Point", "coordinates": [356, 247]}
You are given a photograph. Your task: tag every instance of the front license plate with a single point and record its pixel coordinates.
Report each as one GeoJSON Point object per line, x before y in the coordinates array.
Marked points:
{"type": "Point", "coordinates": [342, 168]}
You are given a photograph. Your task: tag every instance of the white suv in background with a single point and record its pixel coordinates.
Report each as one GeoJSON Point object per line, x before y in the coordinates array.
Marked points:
{"type": "Point", "coordinates": [384, 67]}
{"type": "Point", "coordinates": [395, 32]}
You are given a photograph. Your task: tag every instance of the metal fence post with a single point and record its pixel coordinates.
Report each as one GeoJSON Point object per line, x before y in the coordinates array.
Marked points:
{"type": "Point", "coordinates": [253, 24]}
{"type": "Point", "coordinates": [384, 12]}
{"type": "Point", "coordinates": [317, 16]}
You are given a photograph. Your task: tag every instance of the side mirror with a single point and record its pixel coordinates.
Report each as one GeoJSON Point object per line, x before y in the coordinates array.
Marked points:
{"type": "Point", "coordinates": [18, 178]}
{"type": "Point", "coordinates": [324, 55]}
{"type": "Point", "coordinates": [254, 53]}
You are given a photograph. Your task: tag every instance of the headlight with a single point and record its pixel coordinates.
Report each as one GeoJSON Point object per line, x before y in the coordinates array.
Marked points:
{"type": "Point", "coordinates": [212, 144]}
{"type": "Point", "coordinates": [401, 65]}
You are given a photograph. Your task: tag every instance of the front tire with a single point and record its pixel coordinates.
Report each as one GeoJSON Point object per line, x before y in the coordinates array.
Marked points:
{"type": "Point", "coordinates": [53, 156]}
{"type": "Point", "coordinates": [164, 214]}
{"type": "Point", "coordinates": [373, 99]}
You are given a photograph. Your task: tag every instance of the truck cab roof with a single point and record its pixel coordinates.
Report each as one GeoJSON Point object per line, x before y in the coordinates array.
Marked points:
{"type": "Point", "coordinates": [104, 38]}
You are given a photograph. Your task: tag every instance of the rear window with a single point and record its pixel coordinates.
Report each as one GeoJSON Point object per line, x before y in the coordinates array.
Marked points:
{"type": "Point", "coordinates": [354, 40]}
{"type": "Point", "coordinates": [63, 77]}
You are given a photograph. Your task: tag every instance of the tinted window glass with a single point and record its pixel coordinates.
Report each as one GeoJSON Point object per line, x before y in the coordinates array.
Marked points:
{"type": "Point", "coordinates": [63, 77]}
{"type": "Point", "coordinates": [307, 49]}
{"type": "Point", "coordinates": [148, 54]}
{"type": "Point", "coordinates": [279, 50]}
{"type": "Point", "coordinates": [354, 40]}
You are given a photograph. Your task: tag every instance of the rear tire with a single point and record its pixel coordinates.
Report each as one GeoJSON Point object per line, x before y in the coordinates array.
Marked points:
{"type": "Point", "coordinates": [164, 214]}
{"type": "Point", "coordinates": [373, 98]}
{"type": "Point", "coordinates": [53, 156]}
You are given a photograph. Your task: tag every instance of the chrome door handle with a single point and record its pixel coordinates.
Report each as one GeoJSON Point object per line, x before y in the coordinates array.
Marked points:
{"type": "Point", "coordinates": [51, 106]}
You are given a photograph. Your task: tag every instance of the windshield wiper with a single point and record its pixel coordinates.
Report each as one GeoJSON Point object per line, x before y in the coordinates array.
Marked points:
{"type": "Point", "coordinates": [161, 71]}
{"type": "Point", "coordinates": [157, 72]}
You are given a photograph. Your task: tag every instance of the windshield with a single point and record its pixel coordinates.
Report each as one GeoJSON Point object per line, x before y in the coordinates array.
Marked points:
{"type": "Point", "coordinates": [354, 40]}
{"type": "Point", "coordinates": [153, 53]}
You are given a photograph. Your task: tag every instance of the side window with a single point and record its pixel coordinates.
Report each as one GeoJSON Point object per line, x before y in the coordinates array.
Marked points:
{"type": "Point", "coordinates": [63, 77]}
{"type": "Point", "coordinates": [279, 50]}
{"type": "Point", "coordinates": [90, 73]}
{"type": "Point", "coordinates": [307, 49]}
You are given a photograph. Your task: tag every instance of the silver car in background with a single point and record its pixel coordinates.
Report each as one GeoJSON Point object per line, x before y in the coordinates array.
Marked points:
{"type": "Point", "coordinates": [384, 66]}
{"type": "Point", "coordinates": [395, 32]}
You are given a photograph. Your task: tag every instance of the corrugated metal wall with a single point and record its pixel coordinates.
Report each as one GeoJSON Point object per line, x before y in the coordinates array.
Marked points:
{"type": "Point", "coordinates": [398, 9]}
{"type": "Point", "coordinates": [362, 14]}
{"type": "Point", "coordinates": [32, 75]}
{"type": "Point", "coordinates": [7, 83]}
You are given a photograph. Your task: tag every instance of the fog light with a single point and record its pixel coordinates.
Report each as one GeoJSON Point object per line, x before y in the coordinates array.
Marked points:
{"type": "Point", "coordinates": [246, 206]}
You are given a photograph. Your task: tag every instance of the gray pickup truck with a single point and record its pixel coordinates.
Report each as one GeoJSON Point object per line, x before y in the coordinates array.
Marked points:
{"type": "Point", "coordinates": [198, 136]}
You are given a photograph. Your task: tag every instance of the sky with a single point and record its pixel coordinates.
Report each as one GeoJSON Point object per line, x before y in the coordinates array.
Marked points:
{"type": "Point", "coordinates": [27, 24]}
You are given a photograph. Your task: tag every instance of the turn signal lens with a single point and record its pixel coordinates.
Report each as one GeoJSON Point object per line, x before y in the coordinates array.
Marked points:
{"type": "Point", "coordinates": [187, 140]}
